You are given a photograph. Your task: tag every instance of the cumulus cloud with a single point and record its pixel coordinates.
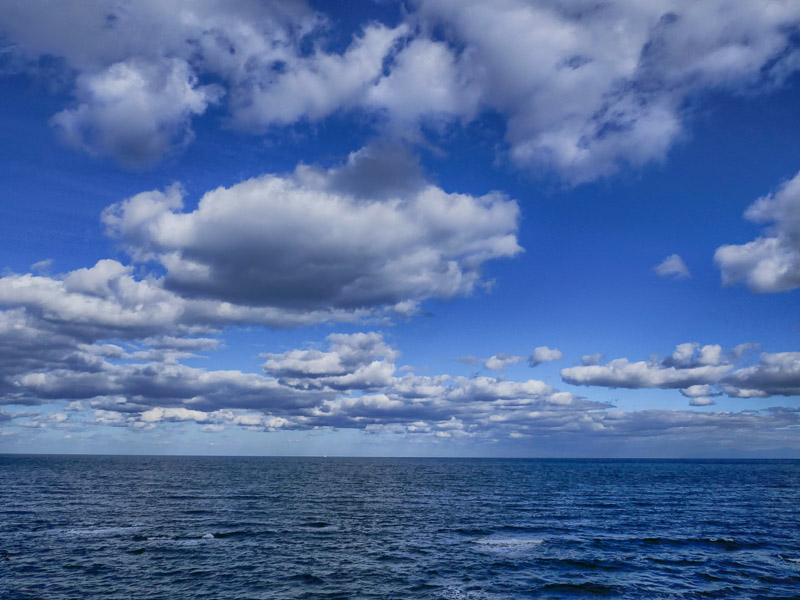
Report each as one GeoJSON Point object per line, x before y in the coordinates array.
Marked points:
{"type": "Point", "coordinates": [543, 354]}
{"type": "Point", "coordinates": [427, 81]}
{"type": "Point", "coordinates": [776, 374]}
{"type": "Point", "coordinates": [693, 354]}
{"type": "Point", "coordinates": [279, 251]}
{"type": "Point", "coordinates": [624, 374]}
{"type": "Point", "coordinates": [672, 266]}
{"type": "Point", "coordinates": [294, 242]}
{"type": "Point", "coordinates": [109, 301]}
{"type": "Point", "coordinates": [359, 360]}
{"type": "Point", "coordinates": [587, 88]}
{"type": "Point", "coordinates": [93, 35]}
{"type": "Point", "coordinates": [98, 302]}
{"type": "Point", "coordinates": [499, 362]}
{"type": "Point", "coordinates": [134, 387]}
{"type": "Point", "coordinates": [701, 401]}
{"type": "Point", "coordinates": [584, 89]}
{"type": "Point", "coordinates": [352, 383]}
{"type": "Point", "coordinates": [700, 372]}
{"type": "Point", "coordinates": [698, 390]}
{"type": "Point", "coordinates": [138, 64]}
{"type": "Point", "coordinates": [689, 365]}
{"type": "Point", "coordinates": [313, 87]}
{"type": "Point", "coordinates": [333, 387]}
{"type": "Point", "coordinates": [770, 263]}
{"type": "Point", "coordinates": [135, 111]}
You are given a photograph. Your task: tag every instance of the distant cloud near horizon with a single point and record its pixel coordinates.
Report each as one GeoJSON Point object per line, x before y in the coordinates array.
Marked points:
{"type": "Point", "coordinates": [698, 371]}
{"type": "Point", "coordinates": [352, 383]}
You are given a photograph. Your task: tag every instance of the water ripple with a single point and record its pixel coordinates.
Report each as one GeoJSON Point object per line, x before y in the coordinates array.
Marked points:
{"type": "Point", "coordinates": [148, 527]}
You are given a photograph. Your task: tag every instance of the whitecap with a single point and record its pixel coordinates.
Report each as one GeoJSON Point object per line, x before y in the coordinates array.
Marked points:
{"type": "Point", "coordinates": [100, 531]}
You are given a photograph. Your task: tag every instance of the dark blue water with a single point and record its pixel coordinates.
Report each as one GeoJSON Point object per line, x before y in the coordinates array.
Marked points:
{"type": "Point", "coordinates": [147, 527]}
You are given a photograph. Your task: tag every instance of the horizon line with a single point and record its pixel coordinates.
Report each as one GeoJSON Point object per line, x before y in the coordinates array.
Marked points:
{"type": "Point", "coordinates": [563, 458]}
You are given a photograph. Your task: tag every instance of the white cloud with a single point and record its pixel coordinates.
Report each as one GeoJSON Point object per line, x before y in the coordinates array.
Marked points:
{"type": "Point", "coordinates": [672, 266]}
{"type": "Point", "coordinates": [624, 374]}
{"type": "Point", "coordinates": [584, 88]}
{"type": "Point", "coordinates": [589, 87]}
{"type": "Point", "coordinates": [135, 111]}
{"type": "Point", "coordinates": [544, 354]}
{"type": "Point", "coordinates": [701, 401]}
{"type": "Point", "coordinates": [329, 389]}
{"type": "Point", "coordinates": [693, 355]}
{"type": "Point", "coordinates": [710, 354]}
{"type": "Point", "coordinates": [292, 242]}
{"type": "Point", "coordinates": [699, 372]}
{"type": "Point", "coordinates": [314, 87]}
{"type": "Point", "coordinates": [101, 301]}
{"type": "Point", "coordinates": [499, 362]}
{"type": "Point", "coordinates": [770, 263]}
{"type": "Point", "coordinates": [138, 63]}
{"type": "Point", "coordinates": [696, 391]}
{"type": "Point", "coordinates": [359, 360]}
{"type": "Point", "coordinates": [281, 251]}
{"type": "Point", "coordinates": [350, 384]}
{"type": "Point", "coordinates": [690, 366]}
{"type": "Point", "coordinates": [777, 374]}
{"type": "Point", "coordinates": [425, 82]}
{"type": "Point", "coordinates": [107, 301]}
{"type": "Point", "coordinates": [94, 35]}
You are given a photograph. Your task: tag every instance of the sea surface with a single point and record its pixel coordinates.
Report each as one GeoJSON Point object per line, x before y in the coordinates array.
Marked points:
{"type": "Point", "coordinates": [191, 527]}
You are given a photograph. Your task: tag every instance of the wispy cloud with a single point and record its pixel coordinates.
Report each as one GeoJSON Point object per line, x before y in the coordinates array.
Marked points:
{"type": "Point", "coordinates": [672, 266]}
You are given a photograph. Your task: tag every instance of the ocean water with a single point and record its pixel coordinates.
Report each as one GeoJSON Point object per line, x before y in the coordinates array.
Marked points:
{"type": "Point", "coordinates": [190, 527]}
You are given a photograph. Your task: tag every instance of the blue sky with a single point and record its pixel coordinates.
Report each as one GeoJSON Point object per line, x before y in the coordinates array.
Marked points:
{"type": "Point", "coordinates": [445, 228]}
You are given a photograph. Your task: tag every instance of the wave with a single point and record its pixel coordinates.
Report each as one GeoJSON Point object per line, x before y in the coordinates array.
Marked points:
{"type": "Point", "coordinates": [582, 589]}
{"type": "Point", "coordinates": [509, 542]}
{"type": "Point", "coordinates": [723, 543]}
{"type": "Point", "coordinates": [307, 578]}
{"type": "Point", "coordinates": [101, 531]}
{"type": "Point", "coordinates": [208, 535]}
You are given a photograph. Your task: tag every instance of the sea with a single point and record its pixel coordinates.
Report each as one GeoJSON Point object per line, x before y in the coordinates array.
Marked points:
{"type": "Point", "coordinates": [111, 527]}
